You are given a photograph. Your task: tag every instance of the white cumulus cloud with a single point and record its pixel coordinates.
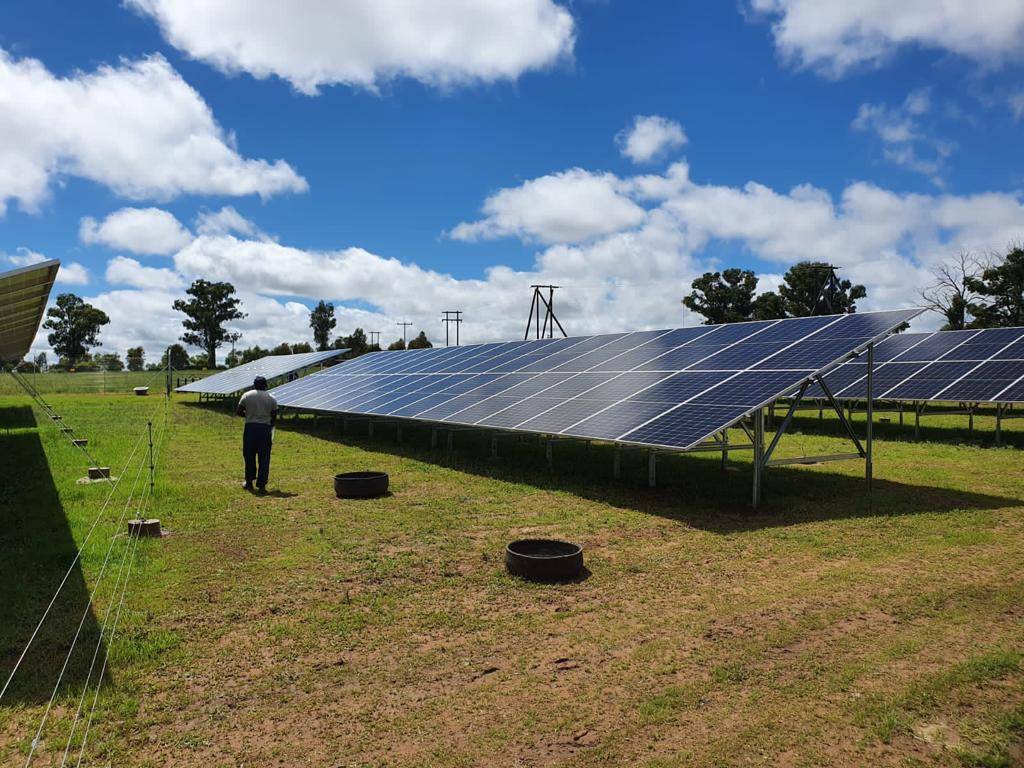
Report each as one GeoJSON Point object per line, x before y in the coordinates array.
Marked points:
{"type": "Point", "coordinates": [137, 128]}
{"type": "Point", "coordinates": [147, 231]}
{"type": "Point", "coordinates": [563, 207]}
{"type": "Point", "coordinates": [366, 42]}
{"type": "Point", "coordinates": [834, 37]}
{"type": "Point", "coordinates": [70, 273]}
{"type": "Point", "coordinates": [124, 271]}
{"type": "Point", "coordinates": [650, 137]}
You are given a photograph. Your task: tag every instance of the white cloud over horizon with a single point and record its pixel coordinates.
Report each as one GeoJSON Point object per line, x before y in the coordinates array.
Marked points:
{"type": "Point", "coordinates": [146, 231]}
{"type": "Point", "coordinates": [836, 37]}
{"type": "Point", "coordinates": [630, 278]}
{"type": "Point", "coordinates": [137, 128]}
{"type": "Point", "coordinates": [365, 43]}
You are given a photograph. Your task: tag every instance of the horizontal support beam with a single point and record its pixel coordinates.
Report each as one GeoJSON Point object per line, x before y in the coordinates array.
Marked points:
{"type": "Point", "coordinates": [814, 459]}
{"type": "Point", "coordinates": [719, 447]}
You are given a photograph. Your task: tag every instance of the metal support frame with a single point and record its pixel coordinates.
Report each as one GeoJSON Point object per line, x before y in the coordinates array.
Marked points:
{"type": "Point", "coordinates": [617, 463]}
{"type": "Point", "coordinates": [758, 456]}
{"type": "Point", "coordinates": [652, 469]}
{"type": "Point", "coordinates": [549, 454]}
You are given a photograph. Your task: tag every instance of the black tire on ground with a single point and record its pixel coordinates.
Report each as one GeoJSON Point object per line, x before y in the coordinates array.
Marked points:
{"type": "Point", "coordinates": [360, 485]}
{"type": "Point", "coordinates": [544, 559]}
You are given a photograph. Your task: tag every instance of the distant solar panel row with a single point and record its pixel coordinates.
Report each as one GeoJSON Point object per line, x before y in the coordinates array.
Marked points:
{"type": "Point", "coordinates": [959, 366]}
{"type": "Point", "coordinates": [669, 388]}
{"type": "Point", "coordinates": [271, 367]}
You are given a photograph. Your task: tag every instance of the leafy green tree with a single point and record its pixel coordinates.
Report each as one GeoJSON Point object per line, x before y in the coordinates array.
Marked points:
{"type": "Point", "coordinates": [136, 357]}
{"type": "Point", "coordinates": [356, 343]}
{"type": "Point", "coordinates": [178, 355]}
{"type": "Point", "coordinates": [211, 306]}
{"type": "Point", "coordinates": [75, 325]}
{"type": "Point", "coordinates": [769, 306]}
{"type": "Point", "coordinates": [109, 361]}
{"type": "Point", "coordinates": [420, 342]}
{"type": "Point", "coordinates": [722, 297]}
{"type": "Point", "coordinates": [233, 358]}
{"type": "Point", "coordinates": [40, 361]}
{"type": "Point", "coordinates": [396, 345]}
{"type": "Point", "coordinates": [322, 321]}
{"type": "Point", "coordinates": [1001, 291]}
{"type": "Point", "coordinates": [301, 346]}
{"type": "Point", "coordinates": [254, 353]}
{"type": "Point", "coordinates": [284, 348]}
{"type": "Point", "coordinates": [802, 286]}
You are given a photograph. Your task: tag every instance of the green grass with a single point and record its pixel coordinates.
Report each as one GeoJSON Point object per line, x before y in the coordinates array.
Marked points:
{"type": "Point", "coordinates": [832, 628]}
{"type": "Point", "coordinates": [95, 382]}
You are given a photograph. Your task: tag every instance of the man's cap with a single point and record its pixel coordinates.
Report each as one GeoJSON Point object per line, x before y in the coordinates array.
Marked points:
{"type": "Point", "coordinates": [259, 380]}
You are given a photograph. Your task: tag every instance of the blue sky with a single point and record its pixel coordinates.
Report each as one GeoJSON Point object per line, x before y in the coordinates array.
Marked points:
{"type": "Point", "coordinates": [902, 147]}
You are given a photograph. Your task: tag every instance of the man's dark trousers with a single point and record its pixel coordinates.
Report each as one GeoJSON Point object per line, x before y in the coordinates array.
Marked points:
{"type": "Point", "coordinates": [256, 447]}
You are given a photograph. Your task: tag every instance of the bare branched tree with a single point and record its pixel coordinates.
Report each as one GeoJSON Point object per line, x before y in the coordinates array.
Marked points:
{"type": "Point", "coordinates": [950, 295]}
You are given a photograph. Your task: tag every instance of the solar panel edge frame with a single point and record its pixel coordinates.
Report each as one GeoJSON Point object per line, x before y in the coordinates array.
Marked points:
{"type": "Point", "coordinates": [326, 355]}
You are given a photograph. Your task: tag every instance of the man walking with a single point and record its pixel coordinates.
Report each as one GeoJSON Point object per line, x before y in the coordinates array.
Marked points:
{"type": "Point", "coordinates": [260, 411]}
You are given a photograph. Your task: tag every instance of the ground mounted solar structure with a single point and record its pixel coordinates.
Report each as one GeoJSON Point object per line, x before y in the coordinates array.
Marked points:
{"type": "Point", "coordinates": [272, 367]}
{"type": "Point", "coordinates": [671, 390]}
{"type": "Point", "coordinates": [23, 296]}
{"type": "Point", "coordinates": [962, 368]}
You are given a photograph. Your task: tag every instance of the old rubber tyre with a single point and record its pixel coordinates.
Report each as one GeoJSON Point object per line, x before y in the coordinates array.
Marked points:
{"type": "Point", "coordinates": [360, 485]}
{"type": "Point", "coordinates": [544, 559]}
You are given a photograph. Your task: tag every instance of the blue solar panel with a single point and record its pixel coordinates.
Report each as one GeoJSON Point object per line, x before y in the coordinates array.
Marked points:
{"type": "Point", "coordinates": [960, 366]}
{"type": "Point", "coordinates": [668, 387]}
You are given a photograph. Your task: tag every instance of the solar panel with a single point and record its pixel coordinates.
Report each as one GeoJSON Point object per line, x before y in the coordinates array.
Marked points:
{"type": "Point", "coordinates": [670, 388]}
{"type": "Point", "coordinates": [985, 365]}
{"type": "Point", "coordinates": [23, 296]}
{"type": "Point", "coordinates": [271, 367]}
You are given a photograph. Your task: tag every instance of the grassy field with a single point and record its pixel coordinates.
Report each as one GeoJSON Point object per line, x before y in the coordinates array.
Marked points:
{"type": "Point", "coordinates": [832, 628]}
{"type": "Point", "coordinates": [95, 382]}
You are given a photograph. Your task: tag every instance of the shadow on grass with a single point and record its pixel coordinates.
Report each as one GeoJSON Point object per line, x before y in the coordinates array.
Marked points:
{"type": "Point", "coordinates": [36, 548]}
{"type": "Point", "coordinates": [983, 436]}
{"type": "Point", "coordinates": [693, 489]}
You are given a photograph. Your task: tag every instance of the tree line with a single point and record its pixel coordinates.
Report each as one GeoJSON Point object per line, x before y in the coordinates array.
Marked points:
{"type": "Point", "coordinates": [75, 327]}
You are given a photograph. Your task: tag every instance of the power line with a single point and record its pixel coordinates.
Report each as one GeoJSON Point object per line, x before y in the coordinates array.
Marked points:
{"type": "Point", "coordinates": [451, 316]}
{"type": "Point", "coordinates": [405, 325]}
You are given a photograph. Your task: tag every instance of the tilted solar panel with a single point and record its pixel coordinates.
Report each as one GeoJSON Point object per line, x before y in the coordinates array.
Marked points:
{"type": "Point", "coordinates": [985, 365]}
{"type": "Point", "coordinates": [271, 367]}
{"type": "Point", "coordinates": [670, 388]}
{"type": "Point", "coordinates": [23, 296]}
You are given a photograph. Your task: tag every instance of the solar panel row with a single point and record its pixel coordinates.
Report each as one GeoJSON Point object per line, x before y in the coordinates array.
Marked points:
{"type": "Point", "coordinates": [960, 366]}
{"type": "Point", "coordinates": [669, 388]}
{"type": "Point", "coordinates": [271, 367]}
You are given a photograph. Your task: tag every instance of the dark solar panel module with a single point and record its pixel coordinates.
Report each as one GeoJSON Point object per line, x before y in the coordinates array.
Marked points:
{"type": "Point", "coordinates": [670, 388]}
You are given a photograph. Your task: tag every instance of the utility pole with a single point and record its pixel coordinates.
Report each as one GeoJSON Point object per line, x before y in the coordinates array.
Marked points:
{"type": "Point", "coordinates": [374, 338]}
{"type": "Point", "coordinates": [452, 316]}
{"type": "Point", "coordinates": [544, 329]}
{"type": "Point", "coordinates": [405, 325]}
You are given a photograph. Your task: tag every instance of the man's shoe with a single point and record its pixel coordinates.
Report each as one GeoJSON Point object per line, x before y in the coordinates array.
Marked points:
{"type": "Point", "coordinates": [261, 489]}
{"type": "Point", "coordinates": [247, 487]}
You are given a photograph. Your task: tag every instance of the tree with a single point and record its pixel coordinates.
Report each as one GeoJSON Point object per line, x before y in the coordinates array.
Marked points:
{"type": "Point", "coordinates": [254, 353]}
{"type": "Point", "coordinates": [136, 358]}
{"type": "Point", "coordinates": [802, 286]}
{"type": "Point", "coordinates": [1001, 291]}
{"type": "Point", "coordinates": [356, 343]}
{"type": "Point", "coordinates": [40, 361]}
{"type": "Point", "coordinates": [282, 349]}
{"type": "Point", "coordinates": [301, 346]}
{"type": "Point", "coordinates": [211, 306]}
{"type": "Point", "coordinates": [769, 306]}
{"type": "Point", "coordinates": [950, 294]}
{"type": "Point", "coordinates": [109, 361]}
{"type": "Point", "coordinates": [178, 355]}
{"type": "Point", "coordinates": [322, 321]}
{"type": "Point", "coordinates": [233, 358]}
{"type": "Point", "coordinates": [396, 345]}
{"type": "Point", "coordinates": [420, 342]}
{"type": "Point", "coordinates": [75, 325]}
{"type": "Point", "coordinates": [722, 297]}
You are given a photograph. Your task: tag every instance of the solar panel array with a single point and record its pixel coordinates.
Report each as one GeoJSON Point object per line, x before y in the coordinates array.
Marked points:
{"type": "Point", "coordinates": [271, 367]}
{"type": "Point", "coordinates": [23, 296]}
{"type": "Point", "coordinates": [669, 388]}
{"type": "Point", "coordinates": [956, 366]}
